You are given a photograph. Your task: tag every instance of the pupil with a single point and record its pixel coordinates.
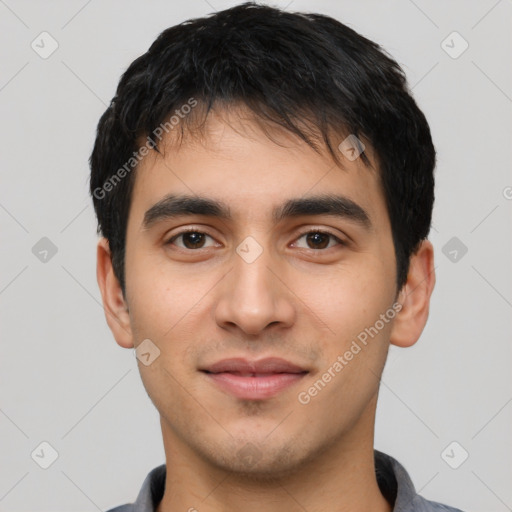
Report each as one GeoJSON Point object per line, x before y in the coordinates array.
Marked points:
{"type": "Point", "coordinates": [317, 237]}
{"type": "Point", "coordinates": [195, 238]}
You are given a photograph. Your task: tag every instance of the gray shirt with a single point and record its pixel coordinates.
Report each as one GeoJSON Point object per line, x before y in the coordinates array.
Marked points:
{"type": "Point", "coordinates": [394, 483]}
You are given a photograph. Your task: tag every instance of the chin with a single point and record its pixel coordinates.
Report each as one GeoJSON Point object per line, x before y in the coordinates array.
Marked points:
{"type": "Point", "coordinates": [259, 461]}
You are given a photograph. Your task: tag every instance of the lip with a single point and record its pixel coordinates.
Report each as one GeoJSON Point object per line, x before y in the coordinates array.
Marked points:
{"type": "Point", "coordinates": [254, 380]}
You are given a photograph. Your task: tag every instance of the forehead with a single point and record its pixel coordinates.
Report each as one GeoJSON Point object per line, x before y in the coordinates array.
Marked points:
{"type": "Point", "coordinates": [251, 169]}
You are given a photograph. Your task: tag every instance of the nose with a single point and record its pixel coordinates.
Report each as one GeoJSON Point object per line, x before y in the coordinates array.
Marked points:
{"type": "Point", "coordinates": [253, 298]}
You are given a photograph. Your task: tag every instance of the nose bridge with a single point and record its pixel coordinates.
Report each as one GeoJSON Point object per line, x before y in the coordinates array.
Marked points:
{"type": "Point", "coordinates": [252, 297]}
{"type": "Point", "coordinates": [252, 276]}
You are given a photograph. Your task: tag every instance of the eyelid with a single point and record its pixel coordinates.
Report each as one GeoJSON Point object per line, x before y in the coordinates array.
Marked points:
{"type": "Point", "coordinates": [310, 229]}
{"type": "Point", "coordinates": [184, 231]}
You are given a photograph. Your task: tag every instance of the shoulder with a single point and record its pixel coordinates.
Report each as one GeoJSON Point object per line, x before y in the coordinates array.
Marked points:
{"type": "Point", "coordinates": [423, 505]}
{"type": "Point", "coordinates": [396, 485]}
{"type": "Point", "coordinates": [149, 495]}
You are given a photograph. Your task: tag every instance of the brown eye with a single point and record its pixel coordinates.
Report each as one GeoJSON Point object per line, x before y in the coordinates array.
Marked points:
{"type": "Point", "coordinates": [189, 240]}
{"type": "Point", "coordinates": [318, 240]}
{"type": "Point", "coordinates": [193, 240]}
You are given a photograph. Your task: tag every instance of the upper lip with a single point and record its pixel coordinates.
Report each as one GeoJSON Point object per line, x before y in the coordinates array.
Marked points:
{"type": "Point", "coordinates": [267, 365]}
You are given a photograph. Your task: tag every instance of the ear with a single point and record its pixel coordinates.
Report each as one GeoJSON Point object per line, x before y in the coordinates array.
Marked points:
{"type": "Point", "coordinates": [415, 298]}
{"type": "Point", "coordinates": [114, 304]}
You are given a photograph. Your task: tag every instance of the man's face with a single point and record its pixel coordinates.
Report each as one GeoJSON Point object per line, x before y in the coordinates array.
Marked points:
{"type": "Point", "coordinates": [286, 292]}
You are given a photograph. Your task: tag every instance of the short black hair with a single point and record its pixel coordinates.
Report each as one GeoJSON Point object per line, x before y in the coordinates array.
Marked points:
{"type": "Point", "coordinates": [307, 72]}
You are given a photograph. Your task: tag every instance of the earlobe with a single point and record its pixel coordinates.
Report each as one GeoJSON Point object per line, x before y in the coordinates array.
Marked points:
{"type": "Point", "coordinates": [114, 304]}
{"type": "Point", "coordinates": [415, 298]}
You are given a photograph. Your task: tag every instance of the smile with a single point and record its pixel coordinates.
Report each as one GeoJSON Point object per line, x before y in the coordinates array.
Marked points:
{"type": "Point", "coordinates": [254, 386]}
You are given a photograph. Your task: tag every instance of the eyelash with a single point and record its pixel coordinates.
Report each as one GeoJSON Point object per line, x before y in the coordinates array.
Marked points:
{"type": "Point", "coordinates": [319, 231]}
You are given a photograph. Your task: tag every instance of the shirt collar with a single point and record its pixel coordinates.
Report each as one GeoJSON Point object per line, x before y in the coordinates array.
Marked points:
{"type": "Point", "coordinates": [394, 483]}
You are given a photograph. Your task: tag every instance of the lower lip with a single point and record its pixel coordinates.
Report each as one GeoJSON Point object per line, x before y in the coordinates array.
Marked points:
{"type": "Point", "coordinates": [255, 388]}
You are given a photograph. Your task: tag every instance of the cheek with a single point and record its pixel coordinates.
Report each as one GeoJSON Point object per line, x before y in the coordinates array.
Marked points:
{"type": "Point", "coordinates": [166, 309]}
{"type": "Point", "coordinates": [348, 298]}
{"type": "Point", "coordinates": [161, 298]}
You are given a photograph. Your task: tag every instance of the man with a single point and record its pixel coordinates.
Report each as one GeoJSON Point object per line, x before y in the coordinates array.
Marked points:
{"type": "Point", "coordinates": [263, 182]}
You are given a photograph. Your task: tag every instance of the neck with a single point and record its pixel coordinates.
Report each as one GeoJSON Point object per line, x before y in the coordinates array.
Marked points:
{"type": "Point", "coordinates": [340, 479]}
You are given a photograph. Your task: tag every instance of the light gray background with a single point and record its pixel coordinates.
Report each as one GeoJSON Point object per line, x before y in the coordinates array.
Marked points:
{"type": "Point", "coordinates": [64, 380]}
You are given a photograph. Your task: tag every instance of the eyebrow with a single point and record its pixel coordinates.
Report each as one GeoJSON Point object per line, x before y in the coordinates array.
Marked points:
{"type": "Point", "coordinates": [173, 206]}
